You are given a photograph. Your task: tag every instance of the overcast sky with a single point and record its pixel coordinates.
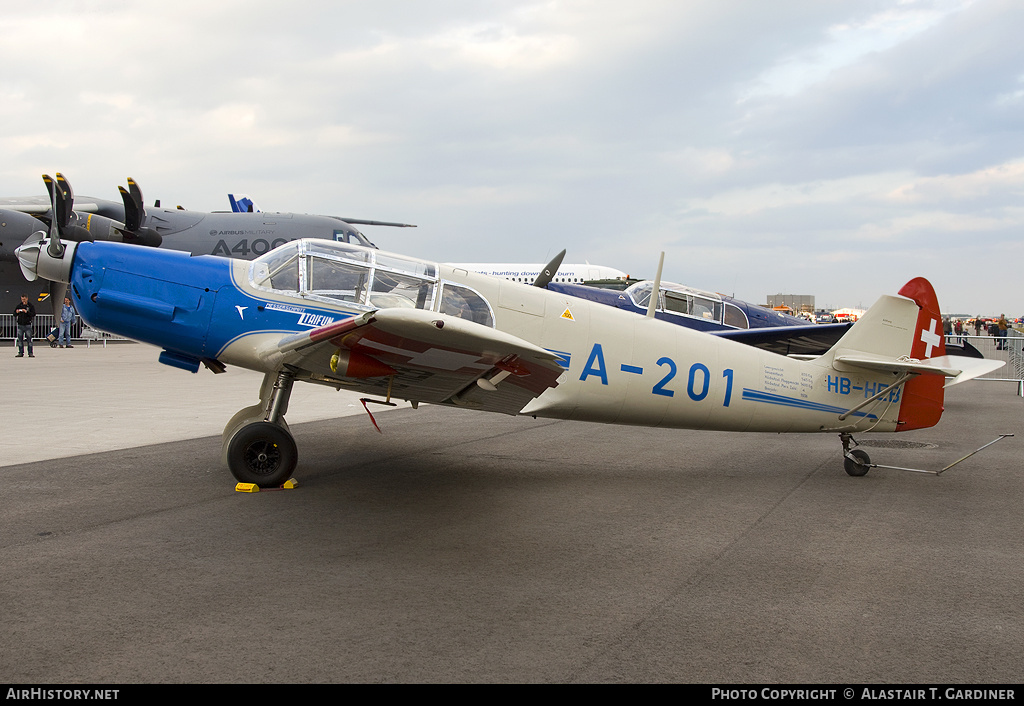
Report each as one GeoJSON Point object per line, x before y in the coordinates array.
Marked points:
{"type": "Point", "coordinates": [800, 146]}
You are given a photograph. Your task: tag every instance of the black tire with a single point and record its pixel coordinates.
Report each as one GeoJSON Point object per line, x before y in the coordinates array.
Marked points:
{"type": "Point", "coordinates": [262, 453]}
{"type": "Point", "coordinates": [859, 466]}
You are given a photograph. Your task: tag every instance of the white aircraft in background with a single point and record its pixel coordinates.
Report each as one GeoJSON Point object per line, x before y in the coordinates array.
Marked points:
{"type": "Point", "coordinates": [516, 272]}
{"type": "Point", "coordinates": [527, 274]}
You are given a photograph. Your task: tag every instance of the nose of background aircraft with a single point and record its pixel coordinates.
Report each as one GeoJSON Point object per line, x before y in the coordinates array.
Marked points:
{"type": "Point", "coordinates": [15, 228]}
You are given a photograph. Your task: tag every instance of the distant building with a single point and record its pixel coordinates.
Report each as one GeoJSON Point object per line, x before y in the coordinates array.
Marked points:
{"type": "Point", "coordinates": [795, 302]}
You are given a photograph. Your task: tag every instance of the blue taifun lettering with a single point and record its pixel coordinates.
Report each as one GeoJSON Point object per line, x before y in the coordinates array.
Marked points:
{"type": "Point", "coordinates": [315, 320]}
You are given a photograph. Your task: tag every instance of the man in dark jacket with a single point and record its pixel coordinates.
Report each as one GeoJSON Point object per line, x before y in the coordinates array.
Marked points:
{"type": "Point", "coordinates": [23, 315]}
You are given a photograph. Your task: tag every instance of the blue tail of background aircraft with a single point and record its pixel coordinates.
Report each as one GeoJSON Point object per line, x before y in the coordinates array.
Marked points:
{"type": "Point", "coordinates": [243, 204]}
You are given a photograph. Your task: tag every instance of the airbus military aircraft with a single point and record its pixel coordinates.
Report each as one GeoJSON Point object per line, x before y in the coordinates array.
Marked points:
{"type": "Point", "coordinates": [244, 235]}
{"type": "Point", "coordinates": [397, 327]}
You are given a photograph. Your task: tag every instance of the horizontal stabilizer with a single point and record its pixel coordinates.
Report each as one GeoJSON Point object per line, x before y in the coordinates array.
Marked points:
{"type": "Point", "coordinates": [970, 368]}
{"type": "Point", "coordinates": [958, 367]}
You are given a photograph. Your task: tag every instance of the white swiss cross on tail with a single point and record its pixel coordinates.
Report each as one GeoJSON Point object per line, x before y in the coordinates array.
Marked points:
{"type": "Point", "coordinates": [930, 337]}
{"type": "Point", "coordinates": [921, 406]}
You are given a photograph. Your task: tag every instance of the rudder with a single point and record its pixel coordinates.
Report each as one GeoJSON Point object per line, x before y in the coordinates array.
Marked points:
{"type": "Point", "coordinates": [923, 395]}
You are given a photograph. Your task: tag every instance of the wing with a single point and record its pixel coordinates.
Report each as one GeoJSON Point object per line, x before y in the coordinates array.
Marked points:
{"type": "Point", "coordinates": [810, 340]}
{"type": "Point", "coordinates": [422, 356]}
{"type": "Point", "coordinates": [41, 204]}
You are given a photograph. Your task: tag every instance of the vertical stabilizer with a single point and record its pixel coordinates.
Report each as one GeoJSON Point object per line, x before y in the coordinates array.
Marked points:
{"type": "Point", "coordinates": [243, 204]}
{"type": "Point", "coordinates": [896, 335]}
{"type": "Point", "coordinates": [922, 395]}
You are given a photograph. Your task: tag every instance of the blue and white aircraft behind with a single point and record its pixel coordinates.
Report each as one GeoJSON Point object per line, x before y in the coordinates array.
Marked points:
{"type": "Point", "coordinates": [717, 314]}
{"type": "Point", "coordinates": [393, 326]}
{"type": "Point", "coordinates": [705, 311]}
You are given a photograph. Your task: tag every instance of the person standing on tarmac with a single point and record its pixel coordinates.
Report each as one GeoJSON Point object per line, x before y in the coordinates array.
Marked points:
{"type": "Point", "coordinates": [67, 320]}
{"type": "Point", "coordinates": [24, 313]}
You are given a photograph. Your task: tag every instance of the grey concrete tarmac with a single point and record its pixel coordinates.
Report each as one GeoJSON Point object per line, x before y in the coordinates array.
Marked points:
{"type": "Point", "coordinates": [466, 547]}
{"type": "Point", "coordinates": [87, 399]}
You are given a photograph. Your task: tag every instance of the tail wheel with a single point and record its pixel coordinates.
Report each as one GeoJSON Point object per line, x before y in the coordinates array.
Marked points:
{"type": "Point", "coordinates": [857, 463]}
{"type": "Point", "coordinates": [262, 453]}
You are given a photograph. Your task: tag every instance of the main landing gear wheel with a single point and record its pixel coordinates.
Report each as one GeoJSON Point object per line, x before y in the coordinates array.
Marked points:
{"type": "Point", "coordinates": [857, 463]}
{"type": "Point", "coordinates": [263, 453]}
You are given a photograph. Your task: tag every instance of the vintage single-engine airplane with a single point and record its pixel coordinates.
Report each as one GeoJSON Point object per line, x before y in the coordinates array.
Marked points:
{"type": "Point", "coordinates": [392, 326]}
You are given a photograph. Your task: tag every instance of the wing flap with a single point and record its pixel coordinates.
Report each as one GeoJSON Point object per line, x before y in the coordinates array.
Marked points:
{"type": "Point", "coordinates": [430, 357]}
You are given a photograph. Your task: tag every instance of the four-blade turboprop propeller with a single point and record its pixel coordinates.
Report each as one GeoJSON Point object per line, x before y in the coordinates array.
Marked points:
{"type": "Point", "coordinates": [135, 228]}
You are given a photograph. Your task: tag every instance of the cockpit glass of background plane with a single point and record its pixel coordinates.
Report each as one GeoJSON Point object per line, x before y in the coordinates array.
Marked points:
{"type": "Point", "coordinates": [735, 317]}
{"type": "Point", "coordinates": [641, 293]}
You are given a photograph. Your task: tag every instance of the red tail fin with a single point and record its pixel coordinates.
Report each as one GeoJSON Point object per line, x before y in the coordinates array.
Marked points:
{"type": "Point", "coordinates": [922, 395]}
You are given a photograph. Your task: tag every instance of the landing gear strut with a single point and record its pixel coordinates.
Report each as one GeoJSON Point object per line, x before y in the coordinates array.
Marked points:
{"type": "Point", "coordinates": [258, 447]}
{"type": "Point", "coordinates": [856, 462]}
